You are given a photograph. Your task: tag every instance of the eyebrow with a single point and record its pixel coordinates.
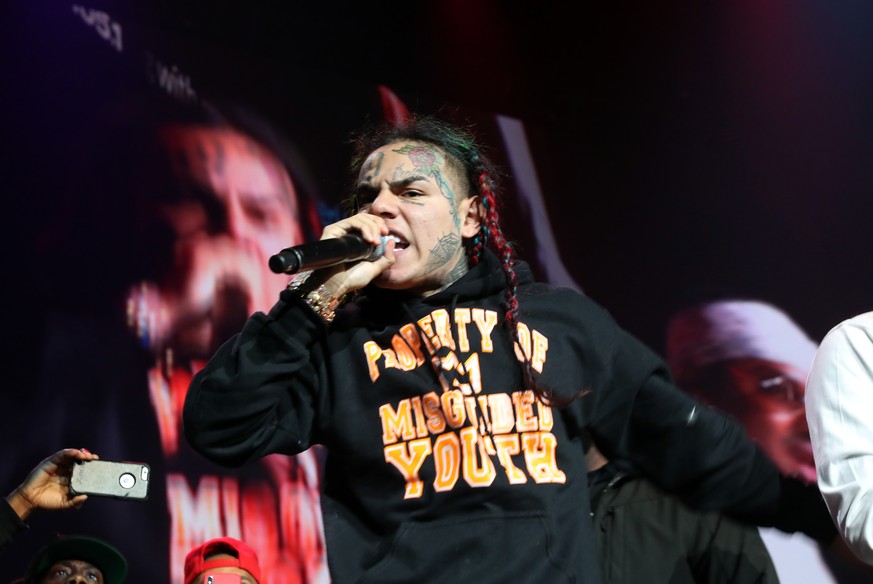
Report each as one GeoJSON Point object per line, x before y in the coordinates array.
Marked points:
{"type": "Point", "coordinates": [365, 188]}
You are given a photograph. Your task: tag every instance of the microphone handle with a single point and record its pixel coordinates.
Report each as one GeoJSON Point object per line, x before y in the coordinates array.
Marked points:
{"type": "Point", "coordinates": [326, 252]}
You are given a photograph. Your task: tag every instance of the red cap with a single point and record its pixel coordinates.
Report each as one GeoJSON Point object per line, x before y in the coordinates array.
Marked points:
{"type": "Point", "coordinates": [246, 558]}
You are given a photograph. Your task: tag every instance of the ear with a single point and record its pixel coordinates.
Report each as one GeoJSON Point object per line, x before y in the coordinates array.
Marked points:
{"type": "Point", "coordinates": [472, 216]}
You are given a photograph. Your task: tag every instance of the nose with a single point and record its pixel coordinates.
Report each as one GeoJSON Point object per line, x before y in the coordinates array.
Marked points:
{"type": "Point", "coordinates": [385, 204]}
{"type": "Point", "coordinates": [243, 225]}
{"type": "Point", "coordinates": [77, 579]}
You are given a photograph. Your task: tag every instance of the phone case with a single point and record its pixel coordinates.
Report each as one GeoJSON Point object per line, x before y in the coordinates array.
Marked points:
{"type": "Point", "coordinates": [121, 480]}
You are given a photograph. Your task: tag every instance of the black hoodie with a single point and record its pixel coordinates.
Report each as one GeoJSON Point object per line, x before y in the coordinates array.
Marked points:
{"type": "Point", "coordinates": [440, 467]}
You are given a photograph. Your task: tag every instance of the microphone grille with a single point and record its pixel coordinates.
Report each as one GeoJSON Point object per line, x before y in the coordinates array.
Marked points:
{"type": "Point", "coordinates": [378, 251]}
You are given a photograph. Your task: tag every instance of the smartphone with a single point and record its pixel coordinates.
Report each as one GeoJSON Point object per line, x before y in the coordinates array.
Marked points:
{"type": "Point", "coordinates": [121, 480]}
{"type": "Point", "coordinates": [212, 578]}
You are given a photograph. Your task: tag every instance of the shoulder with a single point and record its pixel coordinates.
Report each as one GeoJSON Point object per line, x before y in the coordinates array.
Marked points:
{"type": "Point", "coordinates": [542, 292]}
{"type": "Point", "coordinates": [851, 338]}
{"type": "Point", "coordinates": [564, 305]}
{"type": "Point", "coordinates": [842, 364]}
{"type": "Point", "coordinates": [862, 323]}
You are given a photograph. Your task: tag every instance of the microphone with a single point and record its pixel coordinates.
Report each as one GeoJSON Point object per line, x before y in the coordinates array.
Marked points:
{"type": "Point", "coordinates": [327, 252]}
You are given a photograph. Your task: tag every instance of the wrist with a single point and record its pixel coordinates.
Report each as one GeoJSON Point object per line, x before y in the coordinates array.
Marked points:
{"type": "Point", "coordinates": [20, 504]}
{"type": "Point", "coordinates": [318, 295]}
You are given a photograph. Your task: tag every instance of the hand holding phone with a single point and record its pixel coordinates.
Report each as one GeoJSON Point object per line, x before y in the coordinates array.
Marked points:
{"type": "Point", "coordinates": [106, 478]}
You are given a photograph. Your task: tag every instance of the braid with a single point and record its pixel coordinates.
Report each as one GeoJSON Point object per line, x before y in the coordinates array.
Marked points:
{"type": "Point", "coordinates": [493, 235]}
{"type": "Point", "coordinates": [495, 239]}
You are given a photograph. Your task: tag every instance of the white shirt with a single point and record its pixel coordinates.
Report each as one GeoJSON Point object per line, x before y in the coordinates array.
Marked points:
{"type": "Point", "coordinates": [839, 409]}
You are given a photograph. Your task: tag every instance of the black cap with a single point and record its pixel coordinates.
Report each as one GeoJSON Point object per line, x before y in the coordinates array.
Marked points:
{"type": "Point", "coordinates": [79, 547]}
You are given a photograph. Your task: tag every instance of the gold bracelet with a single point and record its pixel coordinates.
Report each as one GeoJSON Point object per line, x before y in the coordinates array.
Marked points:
{"type": "Point", "coordinates": [316, 297]}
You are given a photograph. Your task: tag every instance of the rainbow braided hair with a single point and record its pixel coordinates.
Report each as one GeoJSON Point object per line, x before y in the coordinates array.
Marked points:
{"type": "Point", "coordinates": [482, 176]}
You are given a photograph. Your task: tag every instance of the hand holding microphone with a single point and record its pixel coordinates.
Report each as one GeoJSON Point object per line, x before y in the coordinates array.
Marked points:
{"type": "Point", "coordinates": [326, 252]}
{"type": "Point", "coordinates": [351, 253]}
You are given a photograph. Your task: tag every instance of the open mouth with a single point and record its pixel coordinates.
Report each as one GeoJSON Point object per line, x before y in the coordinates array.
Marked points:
{"type": "Point", "coordinates": [399, 244]}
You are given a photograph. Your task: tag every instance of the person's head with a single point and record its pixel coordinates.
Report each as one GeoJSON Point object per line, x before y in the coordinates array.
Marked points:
{"type": "Point", "coordinates": [234, 206]}
{"type": "Point", "coordinates": [431, 184]}
{"type": "Point", "coordinates": [77, 560]}
{"type": "Point", "coordinates": [230, 183]}
{"type": "Point", "coordinates": [223, 555]}
{"type": "Point", "coordinates": [172, 215]}
{"type": "Point", "coordinates": [749, 359]}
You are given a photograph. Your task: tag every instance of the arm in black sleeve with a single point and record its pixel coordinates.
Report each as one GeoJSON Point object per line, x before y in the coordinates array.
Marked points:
{"type": "Point", "coordinates": [697, 452]}
{"type": "Point", "coordinates": [10, 524]}
{"type": "Point", "coordinates": [259, 393]}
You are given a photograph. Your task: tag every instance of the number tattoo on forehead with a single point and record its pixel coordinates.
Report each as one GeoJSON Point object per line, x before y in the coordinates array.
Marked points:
{"type": "Point", "coordinates": [374, 165]}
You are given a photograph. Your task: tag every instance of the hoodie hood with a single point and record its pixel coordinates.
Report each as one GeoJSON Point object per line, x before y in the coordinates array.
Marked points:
{"type": "Point", "coordinates": [486, 278]}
